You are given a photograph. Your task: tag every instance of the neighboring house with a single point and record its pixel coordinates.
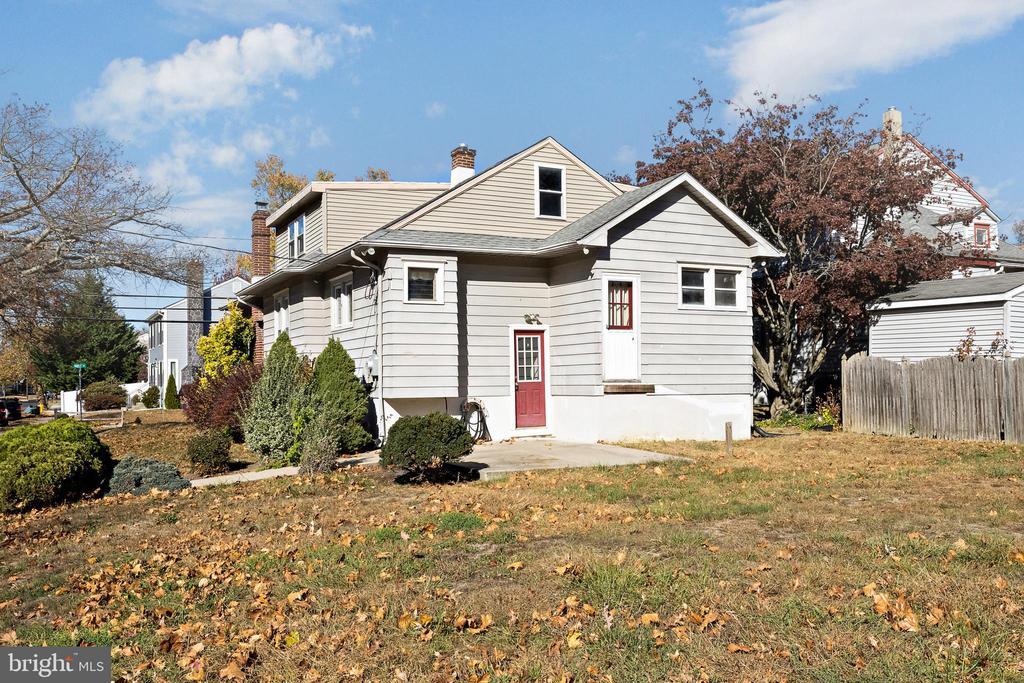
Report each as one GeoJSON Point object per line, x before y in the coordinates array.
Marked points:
{"type": "Point", "coordinates": [168, 332]}
{"type": "Point", "coordinates": [565, 304]}
{"type": "Point", "coordinates": [955, 215]}
{"type": "Point", "coordinates": [930, 319]}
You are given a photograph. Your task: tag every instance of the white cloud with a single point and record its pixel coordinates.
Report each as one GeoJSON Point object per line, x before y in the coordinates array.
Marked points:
{"type": "Point", "coordinates": [798, 47]}
{"type": "Point", "coordinates": [258, 141]}
{"type": "Point", "coordinates": [318, 137]}
{"type": "Point", "coordinates": [435, 110]}
{"type": "Point", "coordinates": [257, 11]}
{"type": "Point", "coordinates": [229, 72]}
{"type": "Point", "coordinates": [226, 156]}
{"type": "Point", "coordinates": [625, 155]}
{"type": "Point", "coordinates": [214, 212]}
{"type": "Point", "coordinates": [171, 171]}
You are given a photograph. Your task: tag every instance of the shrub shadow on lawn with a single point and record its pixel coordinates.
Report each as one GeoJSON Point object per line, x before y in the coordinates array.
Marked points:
{"type": "Point", "coordinates": [449, 473]}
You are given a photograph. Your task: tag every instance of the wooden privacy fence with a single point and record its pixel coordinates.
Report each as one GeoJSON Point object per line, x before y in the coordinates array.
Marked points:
{"type": "Point", "coordinates": [943, 398]}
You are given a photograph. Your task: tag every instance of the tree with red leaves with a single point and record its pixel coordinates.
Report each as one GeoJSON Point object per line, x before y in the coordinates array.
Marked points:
{"type": "Point", "coordinates": [828, 193]}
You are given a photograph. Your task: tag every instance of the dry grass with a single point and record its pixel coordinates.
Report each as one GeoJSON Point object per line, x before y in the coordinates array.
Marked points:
{"type": "Point", "coordinates": [808, 557]}
{"type": "Point", "coordinates": [163, 435]}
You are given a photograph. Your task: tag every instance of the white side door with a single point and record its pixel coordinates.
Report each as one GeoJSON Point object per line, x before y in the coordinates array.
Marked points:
{"type": "Point", "coordinates": [621, 299]}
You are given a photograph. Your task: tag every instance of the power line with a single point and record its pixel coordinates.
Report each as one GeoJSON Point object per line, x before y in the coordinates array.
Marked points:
{"type": "Point", "coordinates": [110, 320]}
{"type": "Point", "coordinates": [290, 259]}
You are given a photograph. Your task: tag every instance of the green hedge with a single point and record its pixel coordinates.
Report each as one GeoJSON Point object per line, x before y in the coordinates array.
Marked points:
{"type": "Point", "coordinates": [419, 443]}
{"type": "Point", "coordinates": [42, 465]}
{"type": "Point", "coordinates": [106, 394]}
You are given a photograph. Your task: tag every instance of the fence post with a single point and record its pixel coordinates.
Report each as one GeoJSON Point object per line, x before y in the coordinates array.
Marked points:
{"type": "Point", "coordinates": [1009, 403]}
{"type": "Point", "coordinates": [906, 413]}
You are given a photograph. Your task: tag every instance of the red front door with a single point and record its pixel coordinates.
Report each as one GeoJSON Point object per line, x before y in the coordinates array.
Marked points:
{"type": "Point", "coordinates": [528, 368]}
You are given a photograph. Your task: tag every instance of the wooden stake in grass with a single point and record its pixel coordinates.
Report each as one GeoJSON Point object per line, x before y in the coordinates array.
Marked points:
{"type": "Point", "coordinates": [728, 438]}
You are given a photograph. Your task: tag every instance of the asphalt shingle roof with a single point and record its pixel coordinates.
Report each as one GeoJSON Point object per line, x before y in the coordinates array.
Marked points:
{"type": "Point", "coordinates": [979, 285]}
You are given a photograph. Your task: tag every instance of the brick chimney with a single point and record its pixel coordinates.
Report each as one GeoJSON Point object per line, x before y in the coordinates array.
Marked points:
{"type": "Point", "coordinates": [463, 163]}
{"type": "Point", "coordinates": [260, 268]}
{"type": "Point", "coordinates": [892, 122]}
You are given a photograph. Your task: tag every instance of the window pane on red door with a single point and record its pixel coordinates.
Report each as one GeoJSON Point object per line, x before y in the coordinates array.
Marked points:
{"type": "Point", "coordinates": [620, 305]}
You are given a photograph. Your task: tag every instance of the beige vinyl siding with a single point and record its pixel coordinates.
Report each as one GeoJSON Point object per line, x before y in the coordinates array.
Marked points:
{"type": "Point", "coordinates": [575, 319]}
{"type": "Point", "coordinates": [920, 333]}
{"type": "Point", "coordinates": [314, 235]}
{"type": "Point", "coordinates": [421, 341]}
{"type": "Point", "coordinates": [498, 293]}
{"type": "Point", "coordinates": [504, 204]}
{"type": "Point", "coordinates": [705, 351]}
{"type": "Point", "coordinates": [354, 213]}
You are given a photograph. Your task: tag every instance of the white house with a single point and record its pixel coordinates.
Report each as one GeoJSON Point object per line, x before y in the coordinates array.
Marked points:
{"type": "Point", "coordinates": [930, 319]}
{"type": "Point", "coordinates": [563, 303]}
{"type": "Point", "coordinates": [168, 331]}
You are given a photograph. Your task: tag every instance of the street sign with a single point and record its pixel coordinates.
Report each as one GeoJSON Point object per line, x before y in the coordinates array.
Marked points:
{"type": "Point", "coordinates": [78, 366]}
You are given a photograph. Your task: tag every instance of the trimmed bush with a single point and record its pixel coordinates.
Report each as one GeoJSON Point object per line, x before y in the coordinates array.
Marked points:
{"type": "Point", "coordinates": [209, 452]}
{"type": "Point", "coordinates": [269, 424]}
{"type": "Point", "coordinates": [139, 476]}
{"type": "Point", "coordinates": [223, 401]}
{"type": "Point", "coordinates": [420, 443]}
{"type": "Point", "coordinates": [337, 405]}
{"type": "Point", "coordinates": [106, 394]}
{"type": "Point", "coordinates": [151, 397]}
{"type": "Point", "coordinates": [171, 401]}
{"type": "Point", "coordinates": [58, 461]}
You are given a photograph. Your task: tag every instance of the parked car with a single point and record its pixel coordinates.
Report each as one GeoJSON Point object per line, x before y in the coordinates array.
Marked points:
{"type": "Point", "coordinates": [13, 406]}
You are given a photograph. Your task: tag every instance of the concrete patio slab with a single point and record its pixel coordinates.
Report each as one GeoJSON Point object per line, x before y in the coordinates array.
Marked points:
{"type": "Point", "coordinates": [493, 460]}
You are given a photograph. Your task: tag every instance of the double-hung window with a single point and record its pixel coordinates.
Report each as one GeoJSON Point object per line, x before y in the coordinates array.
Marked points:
{"type": "Point", "coordinates": [550, 191]}
{"type": "Point", "coordinates": [719, 287]}
{"type": "Point", "coordinates": [982, 235]}
{"type": "Point", "coordinates": [341, 301]}
{"type": "Point", "coordinates": [297, 237]}
{"type": "Point", "coordinates": [424, 282]}
{"type": "Point", "coordinates": [280, 312]}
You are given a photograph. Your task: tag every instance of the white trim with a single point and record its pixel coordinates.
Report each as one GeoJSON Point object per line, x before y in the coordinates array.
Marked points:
{"type": "Point", "coordinates": [511, 351]}
{"type": "Point", "coordinates": [337, 324]}
{"type": "Point", "coordinates": [537, 165]}
{"type": "Point", "coordinates": [761, 246]}
{"type": "Point", "coordinates": [497, 168]}
{"type": "Point", "coordinates": [946, 301]}
{"type": "Point", "coordinates": [635, 278]}
{"type": "Point", "coordinates": [278, 328]}
{"type": "Point", "coordinates": [709, 268]}
{"type": "Point", "coordinates": [438, 282]}
{"type": "Point", "coordinates": [176, 374]}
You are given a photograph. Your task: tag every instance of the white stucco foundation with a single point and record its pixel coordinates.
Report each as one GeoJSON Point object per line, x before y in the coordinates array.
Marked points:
{"type": "Point", "coordinates": [607, 417]}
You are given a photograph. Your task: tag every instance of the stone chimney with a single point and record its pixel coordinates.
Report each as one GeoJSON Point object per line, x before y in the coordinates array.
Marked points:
{"type": "Point", "coordinates": [463, 163]}
{"type": "Point", "coordinates": [196, 304]}
{"type": "Point", "coordinates": [260, 269]}
{"type": "Point", "coordinates": [892, 122]}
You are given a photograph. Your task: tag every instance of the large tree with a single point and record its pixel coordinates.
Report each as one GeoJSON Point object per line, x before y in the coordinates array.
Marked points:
{"type": "Point", "coordinates": [69, 204]}
{"type": "Point", "coordinates": [827, 191]}
{"type": "Point", "coordinates": [87, 328]}
{"type": "Point", "coordinates": [277, 185]}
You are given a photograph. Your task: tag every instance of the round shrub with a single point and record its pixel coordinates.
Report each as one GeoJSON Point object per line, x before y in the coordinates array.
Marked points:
{"type": "Point", "coordinates": [151, 397]}
{"type": "Point", "coordinates": [139, 476]}
{"type": "Point", "coordinates": [106, 394]}
{"type": "Point", "coordinates": [209, 452]}
{"type": "Point", "coordinates": [420, 443]}
{"type": "Point", "coordinates": [50, 463]}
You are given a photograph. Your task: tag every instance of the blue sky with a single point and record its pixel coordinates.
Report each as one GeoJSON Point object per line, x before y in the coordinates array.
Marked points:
{"type": "Point", "coordinates": [196, 90]}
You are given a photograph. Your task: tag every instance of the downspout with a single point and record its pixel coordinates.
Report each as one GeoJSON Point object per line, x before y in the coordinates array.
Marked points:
{"type": "Point", "coordinates": [379, 336]}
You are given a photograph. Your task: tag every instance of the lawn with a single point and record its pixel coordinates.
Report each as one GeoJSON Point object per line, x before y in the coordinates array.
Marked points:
{"type": "Point", "coordinates": [808, 557]}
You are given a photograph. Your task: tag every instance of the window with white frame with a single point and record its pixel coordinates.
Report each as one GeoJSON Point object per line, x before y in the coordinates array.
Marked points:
{"type": "Point", "coordinates": [722, 287]}
{"type": "Point", "coordinates": [341, 301]}
{"type": "Point", "coordinates": [982, 234]}
{"type": "Point", "coordinates": [424, 283]}
{"type": "Point", "coordinates": [280, 312]}
{"type": "Point", "coordinates": [297, 237]}
{"type": "Point", "coordinates": [550, 191]}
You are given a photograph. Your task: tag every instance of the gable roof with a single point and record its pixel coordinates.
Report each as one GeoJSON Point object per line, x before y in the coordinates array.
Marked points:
{"type": "Point", "coordinates": [318, 187]}
{"type": "Point", "coordinates": [589, 230]}
{"type": "Point", "coordinates": [977, 289]}
{"type": "Point", "coordinates": [474, 180]}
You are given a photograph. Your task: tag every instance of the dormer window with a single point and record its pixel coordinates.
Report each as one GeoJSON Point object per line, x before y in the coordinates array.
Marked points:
{"type": "Point", "coordinates": [297, 237]}
{"type": "Point", "coordinates": [982, 235]}
{"type": "Point", "coordinates": [550, 191]}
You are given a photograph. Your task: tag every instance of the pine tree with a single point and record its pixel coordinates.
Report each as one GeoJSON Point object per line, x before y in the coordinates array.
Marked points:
{"type": "Point", "coordinates": [339, 406]}
{"type": "Point", "coordinates": [171, 401]}
{"type": "Point", "coordinates": [90, 329]}
{"type": "Point", "coordinates": [268, 424]}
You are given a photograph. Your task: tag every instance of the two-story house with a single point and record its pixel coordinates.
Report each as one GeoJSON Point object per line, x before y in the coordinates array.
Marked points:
{"type": "Point", "coordinates": [561, 303]}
